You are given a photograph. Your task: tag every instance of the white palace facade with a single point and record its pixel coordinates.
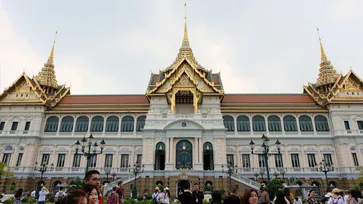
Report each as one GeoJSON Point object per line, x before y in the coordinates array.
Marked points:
{"type": "Point", "coordinates": [184, 129]}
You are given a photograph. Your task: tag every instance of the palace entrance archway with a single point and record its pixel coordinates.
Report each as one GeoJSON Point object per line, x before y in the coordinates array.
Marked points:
{"type": "Point", "coordinates": [180, 186]}
{"type": "Point", "coordinates": [159, 156]}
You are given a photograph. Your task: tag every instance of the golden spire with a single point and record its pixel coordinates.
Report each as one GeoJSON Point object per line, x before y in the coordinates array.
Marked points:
{"type": "Point", "coordinates": [51, 56]}
{"type": "Point", "coordinates": [46, 76]}
{"type": "Point", "coordinates": [322, 53]}
{"type": "Point", "coordinates": [327, 73]}
{"type": "Point", "coordinates": [185, 42]}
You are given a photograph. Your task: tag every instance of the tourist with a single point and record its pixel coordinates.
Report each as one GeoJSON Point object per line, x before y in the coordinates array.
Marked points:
{"type": "Point", "coordinates": [91, 193]}
{"type": "Point", "coordinates": [93, 177]}
{"type": "Point", "coordinates": [120, 191]}
{"type": "Point", "coordinates": [75, 197]}
{"type": "Point", "coordinates": [59, 195]}
{"type": "Point", "coordinates": [156, 196]}
{"type": "Point", "coordinates": [353, 197]}
{"type": "Point", "coordinates": [198, 196]}
{"type": "Point", "coordinates": [311, 197]}
{"type": "Point", "coordinates": [113, 197]}
{"type": "Point", "coordinates": [297, 200]}
{"type": "Point", "coordinates": [186, 197]}
{"type": "Point", "coordinates": [216, 197]}
{"type": "Point", "coordinates": [280, 198]}
{"type": "Point", "coordinates": [250, 197]}
{"type": "Point", "coordinates": [265, 197]}
{"type": "Point", "coordinates": [326, 198]}
{"type": "Point", "coordinates": [166, 196]}
{"type": "Point", "coordinates": [33, 193]}
{"type": "Point", "coordinates": [42, 195]}
{"type": "Point", "coordinates": [336, 197]}
{"type": "Point", "coordinates": [18, 196]}
{"type": "Point", "coordinates": [232, 198]}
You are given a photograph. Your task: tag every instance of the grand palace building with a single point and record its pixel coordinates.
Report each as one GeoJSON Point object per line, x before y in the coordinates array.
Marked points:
{"type": "Point", "coordinates": [184, 129]}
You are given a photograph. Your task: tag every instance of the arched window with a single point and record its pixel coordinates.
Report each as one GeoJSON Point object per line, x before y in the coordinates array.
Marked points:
{"type": "Point", "coordinates": [112, 124]}
{"type": "Point", "coordinates": [127, 124]}
{"type": "Point", "coordinates": [82, 124]}
{"type": "Point", "coordinates": [258, 123]}
{"type": "Point", "coordinates": [97, 124]}
{"type": "Point", "coordinates": [67, 124]}
{"type": "Point", "coordinates": [305, 123]}
{"type": "Point", "coordinates": [228, 122]}
{"type": "Point", "coordinates": [290, 123]}
{"type": "Point", "coordinates": [274, 123]}
{"type": "Point", "coordinates": [140, 123]}
{"type": "Point", "coordinates": [321, 123]}
{"type": "Point", "coordinates": [243, 123]}
{"type": "Point", "coordinates": [52, 124]}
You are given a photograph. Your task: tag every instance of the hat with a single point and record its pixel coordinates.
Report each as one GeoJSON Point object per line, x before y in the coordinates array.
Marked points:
{"type": "Point", "coordinates": [336, 193]}
{"type": "Point", "coordinates": [328, 195]}
{"type": "Point", "coordinates": [157, 188]}
{"type": "Point", "coordinates": [166, 188]}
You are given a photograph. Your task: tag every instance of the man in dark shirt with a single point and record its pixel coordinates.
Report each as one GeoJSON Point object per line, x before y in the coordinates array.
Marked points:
{"type": "Point", "coordinates": [232, 198]}
{"type": "Point", "coordinates": [198, 197]}
{"type": "Point", "coordinates": [186, 197]}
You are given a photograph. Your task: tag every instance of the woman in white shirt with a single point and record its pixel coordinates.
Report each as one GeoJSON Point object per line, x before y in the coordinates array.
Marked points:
{"type": "Point", "coordinates": [42, 195]}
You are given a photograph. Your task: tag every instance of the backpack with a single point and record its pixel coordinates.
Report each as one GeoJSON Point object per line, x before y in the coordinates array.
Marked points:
{"type": "Point", "coordinates": [112, 198]}
{"type": "Point", "coordinates": [155, 199]}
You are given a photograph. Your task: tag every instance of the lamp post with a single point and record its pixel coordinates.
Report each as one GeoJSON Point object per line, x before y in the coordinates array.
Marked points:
{"type": "Point", "coordinates": [107, 172]}
{"type": "Point", "coordinates": [266, 149]}
{"type": "Point", "coordinates": [282, 172]}
{"type": "Point", "coordinates": [230, 170]}
{"type": "Point", "coordinates": [276, 174]}
{"type": "Point", "coordinates": [113, 175]}
{"type": "Point", "coordinates": [326, 167]}
{"type": "Point", "coordinates": [256, 175]}
{"type": "Point", "coordinates": [42, 169]}
{"type": "Point", "coordinates": [137, 169]}
{"type": "Point", "coordinates": [89, 148]}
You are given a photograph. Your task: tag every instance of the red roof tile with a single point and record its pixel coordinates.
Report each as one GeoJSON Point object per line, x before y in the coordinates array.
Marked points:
{"type": "Point", "coordinates": [267, 98]}
{"type": "Point", "coordinates": [104, 99]}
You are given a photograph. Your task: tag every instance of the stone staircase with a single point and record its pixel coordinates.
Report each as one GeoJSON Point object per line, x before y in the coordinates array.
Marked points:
{"type": "Point", "coordinates": [108, 186]}
{"type": "Point", "coordinates": [246, 181]}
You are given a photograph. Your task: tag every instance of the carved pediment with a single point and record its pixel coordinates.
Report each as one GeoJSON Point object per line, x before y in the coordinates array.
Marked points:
{"type": "Point", "coordinates": [184, 125]}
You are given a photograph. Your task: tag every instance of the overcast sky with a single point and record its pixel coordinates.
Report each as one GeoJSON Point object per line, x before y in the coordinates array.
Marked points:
{"type": "Point", "coordinates": [110, 47]}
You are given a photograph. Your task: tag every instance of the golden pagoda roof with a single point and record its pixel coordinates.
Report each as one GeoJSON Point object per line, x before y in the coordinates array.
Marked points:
{"type": "Point", "coordinates": [327, 73]}
{"type": "Point", "coordinates": [46, 76]}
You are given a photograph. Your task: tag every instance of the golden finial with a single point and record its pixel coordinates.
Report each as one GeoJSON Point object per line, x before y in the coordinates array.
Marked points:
{"type": "Point", "coordinates": [185, 39]}
{"type": "Point", "coordinates": [51, 56]}
{"type": "Point", "coordinates": [160, 147]}
{"type": "Point", "coordinates": [323, 56]}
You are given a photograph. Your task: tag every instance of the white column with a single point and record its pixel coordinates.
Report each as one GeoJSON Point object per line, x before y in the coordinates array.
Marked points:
{"type": "Point", "coordinates": [172, 152]}
{"type": "Point", "coordinates": [201, 150]}
{"type": "Point", "coordinates": [167, 151]}
{"type": "Point", "coordinates": [196, 152]}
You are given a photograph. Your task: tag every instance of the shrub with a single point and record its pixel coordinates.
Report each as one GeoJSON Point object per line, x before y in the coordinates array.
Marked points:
{"type": "Point", "coordinates": [50, 198]}
{"type": "Point", "coordinates": [32, 200]}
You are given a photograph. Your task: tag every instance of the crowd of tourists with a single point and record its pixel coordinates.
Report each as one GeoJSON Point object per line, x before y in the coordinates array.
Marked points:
{"type": "Point", "coordinates": [92, 193]}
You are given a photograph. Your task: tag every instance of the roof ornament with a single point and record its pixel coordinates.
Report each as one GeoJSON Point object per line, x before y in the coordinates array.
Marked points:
{"type": "Point", "coordinates": [322, 52]}
{"type": "Point", "coordinates": [51, 56]}
{"type": "Point", "coordinates": [185, 38]}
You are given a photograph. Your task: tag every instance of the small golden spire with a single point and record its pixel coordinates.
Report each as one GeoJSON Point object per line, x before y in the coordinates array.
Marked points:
{"type": "Point", "coordinates": [51, 56]}
{"type": "Point", "coordinates": [323, 55]}
{"type": "Point", "coordinates": [185, 38]}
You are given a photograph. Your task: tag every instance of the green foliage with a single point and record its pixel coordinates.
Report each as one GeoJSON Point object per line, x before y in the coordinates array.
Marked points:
{"type": "Point", "coordinates": [4, 172]}
{"type": "Point", "coordinates": [9, 201]}
{"type": "Point", "coordinates": [208, 187]}
{"type": "Point", "coordinates": [274, 185]}
{"type": "Point", "coordinates": [76, 184]}
{"type": "Point", "coordinates": [160, 186]}
{"type": "Point", "coordinates": [50, 197]}
{"type": "Point", "coordinates": [360, 178]}
{"type": "Point", "coordinates": [31, 200]}
{"type": "Point", "coordinates": [12, 186]}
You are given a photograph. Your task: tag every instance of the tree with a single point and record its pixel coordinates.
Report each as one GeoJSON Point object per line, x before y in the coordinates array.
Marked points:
{"type": "Point", "coordinates": [360, 178]}
{"type": "Point", "coordinates": [4, 172]}
{"type": "Point", "coordinates": [274, 185]}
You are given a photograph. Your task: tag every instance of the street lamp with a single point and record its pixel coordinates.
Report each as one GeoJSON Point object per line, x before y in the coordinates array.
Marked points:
{"type": "Point", "coordinates": [113, 175]}
{"type": "Point", "coordinates": [107, 172]}
{"type": "Point", "coordinates": [230, 170]}
{"type": "Point", "coordinates": [42, 169]}
{"type": "Point", "coordinates": [89, 148]}
{"type": "Point", "coordinates": [256, 175]}
{"type": "Point", "coordinates": [326, 167]}
{"type": "Point", "coordinates": [266, 150]}
{"type": "Point", "coordinates": [136, 170]}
